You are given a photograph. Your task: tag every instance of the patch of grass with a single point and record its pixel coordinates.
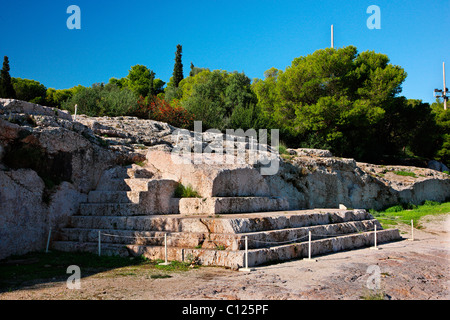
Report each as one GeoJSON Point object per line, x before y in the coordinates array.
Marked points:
{"type": "Point", "coordinates": [405, 173]}
{"type": "Point", "coordinates": [374, 295]}
{"type": "Point", "coordinates": [406, 212]}
{"type": "Point", "coordinates": [173, 266]}
{"type": "Point", "coordinates": [140, 163]}
{"type": "Point", "coordinates": [182, 191]}
{"type": "Point", "coordinates": [160, 276]}
{"type": "Point", "coordinates": [40, 266]}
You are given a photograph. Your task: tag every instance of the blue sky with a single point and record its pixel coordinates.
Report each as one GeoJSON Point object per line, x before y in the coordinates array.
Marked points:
{"type": "Point", "coordinates": [247, 35]}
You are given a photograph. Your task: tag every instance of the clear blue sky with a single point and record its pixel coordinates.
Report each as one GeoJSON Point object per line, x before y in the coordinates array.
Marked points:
{"type": "Point", "coordinates": [246, 35]}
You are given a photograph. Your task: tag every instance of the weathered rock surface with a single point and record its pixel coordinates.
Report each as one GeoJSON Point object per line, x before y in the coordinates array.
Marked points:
{"type": "Point", "coordinates": [51, 167]}
{"type": "Point", "coordinates": [436, 165]}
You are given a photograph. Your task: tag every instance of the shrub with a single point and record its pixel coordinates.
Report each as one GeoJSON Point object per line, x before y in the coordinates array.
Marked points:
{"type": "Point", "coordinates": [431, 203]}
{"type": "Point", "coordinates": [158, 109]}
{"type": "Point", "coordinates": [185, 192]}
{"type": "Point", "coordinates": [397, 208]}
{"type": "Point", "coordinates": [101, 100]}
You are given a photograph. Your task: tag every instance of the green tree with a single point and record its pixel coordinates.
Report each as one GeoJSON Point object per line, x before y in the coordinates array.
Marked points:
{"type": "Point", "coordinates": [140, 80]}
{"type": "Point", "coordinates": [333, 98]}
{"type": "Point", "coordinates": [29, 90]}
{"type": "Point", "coordinates": [55, 98]}
{"type": "Point", "coordinates": [206, 101]}
{"type": "Point", "coordinates": [221, 100]}
{"type": "Point", "coordinates": [442, 118]}
{"type": "Point", "coordinates": [6, 86]}
{"type": "Point", "coordinates": [102, 100]}
{"type": "Point", "coordinates": [195, 70]}
{"type": "Point", "coordinates": [178, 67]}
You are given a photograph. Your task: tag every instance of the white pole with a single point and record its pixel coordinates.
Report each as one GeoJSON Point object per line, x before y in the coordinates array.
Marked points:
{"type": "Point", "coordinates": [246, 252]}
{"type": "Point", "coordinates": [444, 92]}
{"type": "Point", "coordinates": [247, 269]}
{"type": "Point", "coordinates": [412, 230]}
{"type": "Point", "coordinates": [332, 36]}
{"type": "Point", "coordinates": [375, 234]}
{"type": "Point", "coordinates": [48, 240]}
{"type": "Point", "coordinates": [309, 245]}
{"type": "Point", "coordinates": [375, 239]}
{"type": "Point", "coordinates": [165, 247]}
{"type": "Point", "coordinates": [165, 263]}
{"type": "Point", "coordinates": [75, 116]}
{"type": "Point", "coordinates": [99, 245]}
{"type": "Point", "coordinates": [309, 248]}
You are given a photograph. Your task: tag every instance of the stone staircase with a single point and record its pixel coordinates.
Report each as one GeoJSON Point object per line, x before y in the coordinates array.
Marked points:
{"type": "Point", "coordinates": [133, 208]}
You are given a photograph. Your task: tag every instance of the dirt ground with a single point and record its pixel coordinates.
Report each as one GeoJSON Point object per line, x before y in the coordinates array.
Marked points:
{"type": "Point", "coordinates": [416, 269]}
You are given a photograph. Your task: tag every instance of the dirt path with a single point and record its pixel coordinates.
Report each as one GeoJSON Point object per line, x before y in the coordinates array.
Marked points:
{"type": "Point", "coordinates": [417, 269]}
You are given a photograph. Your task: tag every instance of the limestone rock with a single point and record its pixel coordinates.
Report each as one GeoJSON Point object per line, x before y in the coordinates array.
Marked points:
{"type": "Point", "coordinates": [50, 163]}
{"type": "Point", "coordinates": [18, 106]}
{"type": "Point", "coordinates": [436, 165]}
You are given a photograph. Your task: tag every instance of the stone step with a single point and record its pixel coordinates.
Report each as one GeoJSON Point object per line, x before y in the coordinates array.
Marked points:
{"type": "Point", "coordinates": [213, 240]}
{"type": "Point", "coordinates": [235, 258]}
{"type": "Point", "coordinates": [154, 238]}
{"type": "Point", "coordinates": [233, 223]}
{"type": "Point", "coordinates": [113, 196]}
{"type": "Point", "coordinates": [127, 184]}
{"type": "Point", "coordinates": [230, 205]}
{"type": "Point", "coordinates": [109, 209]}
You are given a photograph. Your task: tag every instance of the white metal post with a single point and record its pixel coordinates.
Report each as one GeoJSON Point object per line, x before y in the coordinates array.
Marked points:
{"type": "Point", "coordinates": [412, 230]}
{"type": "Point", "coordinates": [246, 252]}
{"type": "Point", "coordinates": [444, 91]}
{"type": "Point", "coordinates": [48, 239]}
{"type": "Point", "coordinates": [246, 257]}
{"type": "Point", "coordinates": [332, 36]}
{"type": "Point", "coordinates": [165, 263]}
{"type": "Point", "coordinates": [375, 239]}
{"type": "Point", "coordinates": [309, 248]}
{"type": "Point", "coordinates": [309, 245]}
{"type": "Point", "coordinates": [75, 116]}
{"type": "Point", "coordinates": [99, 244]}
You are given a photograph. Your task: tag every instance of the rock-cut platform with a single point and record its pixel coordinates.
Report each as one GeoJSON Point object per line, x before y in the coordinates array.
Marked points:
{"type": "Point", "coordinates": [133, 210]}
{"type": "Point", "coordinates": [220, 240]}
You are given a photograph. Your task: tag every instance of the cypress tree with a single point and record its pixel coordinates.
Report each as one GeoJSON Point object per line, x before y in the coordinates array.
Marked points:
{"type": "Point", "coordinates": [6, 86]}
{"type": "Point", "coordinates": [191, 73]}
{"type": "Point", "coordinates": [178, 67]}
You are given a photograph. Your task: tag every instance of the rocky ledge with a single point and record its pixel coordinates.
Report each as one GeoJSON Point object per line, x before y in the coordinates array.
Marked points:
{"type": "Point", "coordinates": [49, 162]}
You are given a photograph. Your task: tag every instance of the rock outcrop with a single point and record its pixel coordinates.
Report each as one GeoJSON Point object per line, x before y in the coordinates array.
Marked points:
{"type": "Point", "coordinates": [52, 168]}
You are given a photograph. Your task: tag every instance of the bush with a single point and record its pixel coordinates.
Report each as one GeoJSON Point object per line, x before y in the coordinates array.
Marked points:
{"type": "Point", "coordinates": [185, 192]}
{"type": "Point", "coordinates": [431, 203]}
{"type": "Point", "coordinates": [101, 100]}
{"type": "Point", "coordinates": [397, 208]}
{"type": "Point", "coordinates": [158, 109]}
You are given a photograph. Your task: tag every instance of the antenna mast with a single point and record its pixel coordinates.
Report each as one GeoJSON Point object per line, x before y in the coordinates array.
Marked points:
{"type": "Point", "coordinates": [444, 90]}
{"type": "Point", "coordinates": [332, 36]}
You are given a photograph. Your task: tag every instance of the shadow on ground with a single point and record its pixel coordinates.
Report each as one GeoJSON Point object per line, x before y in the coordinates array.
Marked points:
{"type": "Point", "coordinates": [37, 268]}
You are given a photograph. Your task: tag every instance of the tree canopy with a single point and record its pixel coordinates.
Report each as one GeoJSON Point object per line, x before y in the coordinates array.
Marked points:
{"type": "Point", "coordinates": [6, 86]}
{"type": "Point", "coordinates": [334, 98]}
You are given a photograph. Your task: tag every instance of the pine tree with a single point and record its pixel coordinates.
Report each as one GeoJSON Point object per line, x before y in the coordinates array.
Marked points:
{"type": "Point", "coordinates": [178, 67]}
{"type": "Point", "coordinates": [6, 87]}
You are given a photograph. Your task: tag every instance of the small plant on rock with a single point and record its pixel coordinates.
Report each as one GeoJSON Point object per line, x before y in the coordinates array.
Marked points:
{"type": "Point", "coordinates": [182, 191]}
